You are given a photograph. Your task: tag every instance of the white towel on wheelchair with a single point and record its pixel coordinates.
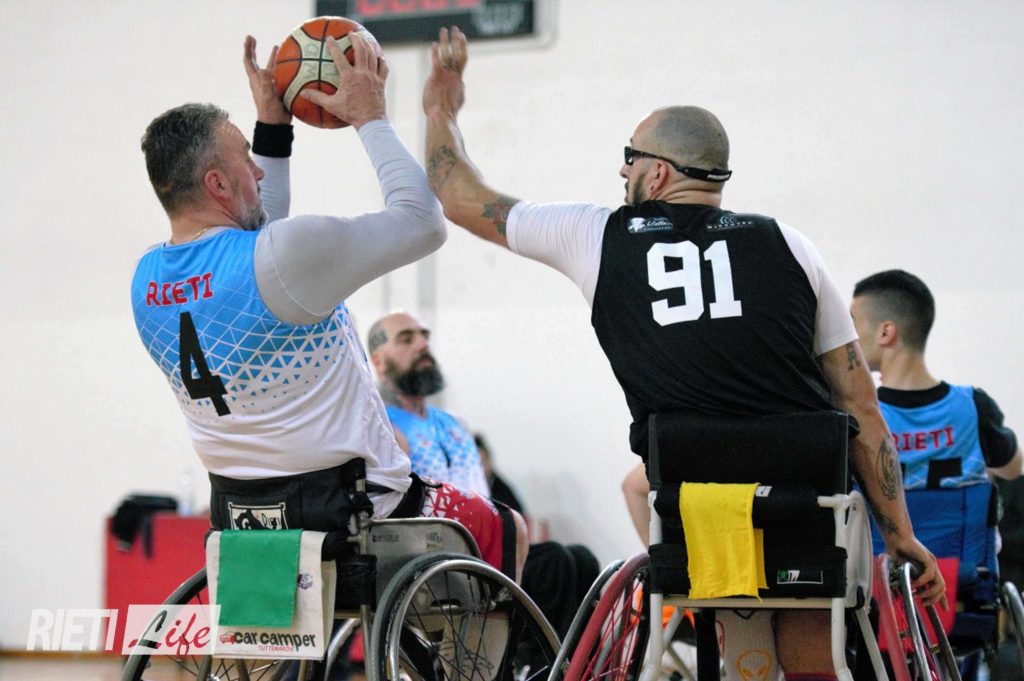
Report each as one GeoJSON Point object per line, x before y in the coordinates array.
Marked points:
{"type": "Point", "coordinates": [314, 609]}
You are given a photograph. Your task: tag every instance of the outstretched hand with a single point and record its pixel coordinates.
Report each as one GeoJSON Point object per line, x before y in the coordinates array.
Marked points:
{"type": "Point", "coordinates": [444, 91]}
{"type": "Point", "coordinates": [359, 98]}
{"type": "Point", "coordinates": [269, 107]}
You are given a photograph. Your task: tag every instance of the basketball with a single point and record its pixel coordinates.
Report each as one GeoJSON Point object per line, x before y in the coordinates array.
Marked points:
{"type": "Point", "coordinates": [303, 61]}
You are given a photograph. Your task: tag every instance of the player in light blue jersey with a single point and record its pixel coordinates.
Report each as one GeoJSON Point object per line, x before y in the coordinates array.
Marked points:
{"type": "Point", "coordinates": [243, 309]}
{"type": "Point", "coordinates": [946, 435]}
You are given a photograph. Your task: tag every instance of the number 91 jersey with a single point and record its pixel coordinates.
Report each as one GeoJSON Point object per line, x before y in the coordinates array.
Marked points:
{"type": "Point", "coordinates": [262, 397]}
{"type": "Point", "coordinates": [705, 311]}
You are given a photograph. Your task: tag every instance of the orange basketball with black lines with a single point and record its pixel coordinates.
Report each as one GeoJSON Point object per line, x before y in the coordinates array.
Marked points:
{"type": "Point", "coordinates": [303, 61]}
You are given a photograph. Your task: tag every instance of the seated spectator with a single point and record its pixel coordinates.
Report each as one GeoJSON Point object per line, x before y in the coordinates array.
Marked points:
{"type": "Point", "coordinates": [442, 448]}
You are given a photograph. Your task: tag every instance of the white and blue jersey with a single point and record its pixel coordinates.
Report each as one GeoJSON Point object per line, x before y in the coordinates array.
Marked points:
{"type": "Point", "coordinates": [262, 397]}
{"type": "Point", "coordinates": [441, 448]}
{"type": "Point", "coordinates": [946, 436]}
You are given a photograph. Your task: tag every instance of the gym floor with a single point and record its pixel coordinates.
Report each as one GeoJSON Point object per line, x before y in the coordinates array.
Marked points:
{"type": "Point", "coordinates": [80, 668]}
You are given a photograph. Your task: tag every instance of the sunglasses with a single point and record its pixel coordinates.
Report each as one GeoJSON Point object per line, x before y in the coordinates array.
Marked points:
{"type": "Point", "coordinates": [714, 175]}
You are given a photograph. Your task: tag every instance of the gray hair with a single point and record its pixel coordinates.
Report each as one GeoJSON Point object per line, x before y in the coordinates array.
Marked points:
{"type": "Point", "coordinates": [179, 145]}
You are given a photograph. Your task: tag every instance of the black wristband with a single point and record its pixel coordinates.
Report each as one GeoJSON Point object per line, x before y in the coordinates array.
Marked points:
{"type": "Point", "coordinates": [273, 140]}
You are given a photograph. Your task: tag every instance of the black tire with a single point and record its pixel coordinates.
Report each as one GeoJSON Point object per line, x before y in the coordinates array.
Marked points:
{"type": "Point", "coordinates": [145, 667]}
{"type": "Point", "coordinates": [448, 616]}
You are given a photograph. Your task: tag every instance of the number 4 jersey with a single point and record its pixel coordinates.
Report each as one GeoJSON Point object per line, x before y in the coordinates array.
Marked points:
{"type": "Point", "coordinates": [262, 397]}
{"type": "Point", "coordinates": [698, 309]}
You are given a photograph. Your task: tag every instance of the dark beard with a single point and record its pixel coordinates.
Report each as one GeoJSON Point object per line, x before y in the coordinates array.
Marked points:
{"type": "Point", "coordinates": [420, 382]}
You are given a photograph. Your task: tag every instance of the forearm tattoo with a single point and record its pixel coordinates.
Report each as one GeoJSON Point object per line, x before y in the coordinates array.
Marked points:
{"type": "Point", "coordinates": [498, 212]}
{"type": "Point", "coordinates": [885, 523]}
{"type": "Point", "coordinates": [439, 166]}
{"type": "Point", "coordinates": [851, 355]}
{"type": "Point", "coordinates": [890, 478]}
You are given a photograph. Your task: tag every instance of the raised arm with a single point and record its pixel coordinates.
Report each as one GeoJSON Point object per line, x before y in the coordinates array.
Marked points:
{"type": "Point", "coordinates": [466, 200]}
{"type": "Point", "coordinates": [272, 139]}
{"type": "Point", "coordinates": [876, 463]}
{"type": "Point", "coordinates": [306, 265]}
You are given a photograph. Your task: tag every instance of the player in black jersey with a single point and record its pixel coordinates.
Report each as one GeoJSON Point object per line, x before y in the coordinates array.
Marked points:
{"type": "Point", "coordinates": [699, 310]}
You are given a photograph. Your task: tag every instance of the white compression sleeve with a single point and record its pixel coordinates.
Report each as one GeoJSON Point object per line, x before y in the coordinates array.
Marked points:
{"type": "Point", "coordinates": [306, 265]}
{"type": "Point", "coordinates": [275, 187]}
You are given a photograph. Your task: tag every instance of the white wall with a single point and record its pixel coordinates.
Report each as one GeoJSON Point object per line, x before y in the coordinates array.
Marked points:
{"type": "Point", "coordinates": [890, 132]}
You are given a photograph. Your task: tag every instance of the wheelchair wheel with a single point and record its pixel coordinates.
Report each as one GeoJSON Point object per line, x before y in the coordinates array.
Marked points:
{"type": "Point", "coordinates": [613, 643]}
{"type": "Point", "coordinates": [1015, 608]}
{"type": "Point", "coordinates": [911, 654]}
{"type": "Point", "coordinates": [144, 667]}
{"type": "Point", "coordinates": [446, 616]}
{"type": "Point", "coordinates": [579, 622]}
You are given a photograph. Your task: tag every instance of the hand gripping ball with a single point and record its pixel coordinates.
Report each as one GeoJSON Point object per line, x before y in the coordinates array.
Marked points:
{"type": "Point", "coordinates": [303, 61]}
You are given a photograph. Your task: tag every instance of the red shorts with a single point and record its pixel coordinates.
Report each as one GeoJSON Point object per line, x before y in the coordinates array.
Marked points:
{"type": "Point", "coordinates": [493, 530]}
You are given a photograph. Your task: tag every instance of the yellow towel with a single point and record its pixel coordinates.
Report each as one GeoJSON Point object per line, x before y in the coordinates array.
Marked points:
{"type": "Point", "coordinates": [726, 552]}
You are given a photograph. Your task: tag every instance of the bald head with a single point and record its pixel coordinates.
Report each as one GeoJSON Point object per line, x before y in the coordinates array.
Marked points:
{"type": "Point", "coordinates": [690, 136]}
{"type": "Point", "coordinates": [399, 346]}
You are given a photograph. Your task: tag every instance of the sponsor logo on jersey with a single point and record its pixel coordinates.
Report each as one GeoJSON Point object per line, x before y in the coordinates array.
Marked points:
{"type": "Point", "coordinates": [730, 222]}
{"type": "Point", "coordinates": [305, 581]}
{"type": "Point", "coordinates": [657, 224]}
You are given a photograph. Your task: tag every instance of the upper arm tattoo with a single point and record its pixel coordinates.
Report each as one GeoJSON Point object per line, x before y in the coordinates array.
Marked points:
{"type": "Point", "coordinates": [439, 166]}
{"type": "Point", "coordinates": [498, 212]}
{"type": "Point", "coordinates": [851, 355]}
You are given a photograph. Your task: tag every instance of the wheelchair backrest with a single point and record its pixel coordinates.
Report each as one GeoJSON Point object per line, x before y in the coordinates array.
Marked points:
{"type": "Point", "coordinates": [804, 453]}
{"type": "Point", "coordinates": [955, 523]}
{"type": "Point", "coordinates": [795, 449]}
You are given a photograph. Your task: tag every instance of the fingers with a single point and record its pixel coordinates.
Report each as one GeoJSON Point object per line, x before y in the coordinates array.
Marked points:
{"type": "Point", "coordinates": [450, 51]}
{"type": "Point", "coordinates": [930, 586]}
{"type": "Point", "coordinates": [460, 49]}
{"type": "Point", "coordinates": [362, 53]}
{"type": "Point", "coordinates": [382, 68]}
{"type": "Point", "coordinates": [272, 61]}
{"type": "Point", "coordinates": [315, 96]}
{"type": "Point", "coordinates": [435, 56]}
{"type": "Point", "coordinates": [337, 55]}
{"type": "Point", "coordinates": [249, 56]}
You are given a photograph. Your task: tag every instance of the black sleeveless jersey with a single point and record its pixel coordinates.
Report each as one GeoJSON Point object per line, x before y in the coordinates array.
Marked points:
{"type": "Point", "coordinates": [705, 311]}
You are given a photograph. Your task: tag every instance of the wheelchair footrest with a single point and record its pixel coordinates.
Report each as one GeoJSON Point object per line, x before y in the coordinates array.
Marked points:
{"type": "Point", "coordinates": [790, 571]}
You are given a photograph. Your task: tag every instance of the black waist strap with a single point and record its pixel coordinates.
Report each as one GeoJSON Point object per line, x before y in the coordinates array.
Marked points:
{"type": "Point", "coordinates": [319, 500]}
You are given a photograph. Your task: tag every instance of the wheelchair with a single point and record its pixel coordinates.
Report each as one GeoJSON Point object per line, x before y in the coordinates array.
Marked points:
{"type": "Point", "coordinates": [958, 525]}
{"type": "Point", "coordinates": [428, 607]}
{"type": "Point", "coordinates": [800, 465]}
